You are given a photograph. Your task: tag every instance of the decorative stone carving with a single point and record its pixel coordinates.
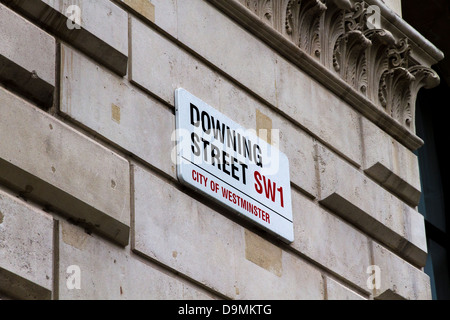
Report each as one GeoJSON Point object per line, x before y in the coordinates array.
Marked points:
{"type": "Point", "coordinates": [349, 58]}
{"type": "Point", "coordinates": [302, 24]}
{"type": "Point", "coordinates": [377, 58]}
{"type": "Point", "coordinates": [262, 8]}
{"type": "Point", "coordinates": [371, 61]}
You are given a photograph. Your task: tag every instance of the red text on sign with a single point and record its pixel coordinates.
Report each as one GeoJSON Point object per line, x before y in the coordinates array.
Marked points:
{"type": "Point", "coordinates": [269, 188]}
{"type": "Point", "coordinates": [198, 177]}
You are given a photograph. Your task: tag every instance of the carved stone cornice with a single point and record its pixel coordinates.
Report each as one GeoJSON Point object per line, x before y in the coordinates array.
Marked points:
{"type": "Point", "coordinates": [371, 68]}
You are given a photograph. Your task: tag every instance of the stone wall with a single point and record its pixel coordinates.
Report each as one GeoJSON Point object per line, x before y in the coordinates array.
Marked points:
{"type": "Point", "coordinates": [90, 204]}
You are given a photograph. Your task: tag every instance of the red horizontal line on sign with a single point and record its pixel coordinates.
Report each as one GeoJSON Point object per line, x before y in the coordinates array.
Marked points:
{"type": "Point", "coordinates": [262, 204]}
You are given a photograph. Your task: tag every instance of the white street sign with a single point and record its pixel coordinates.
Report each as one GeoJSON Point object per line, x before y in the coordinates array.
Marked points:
{"type": "Point", "coordinates": [233, 166]}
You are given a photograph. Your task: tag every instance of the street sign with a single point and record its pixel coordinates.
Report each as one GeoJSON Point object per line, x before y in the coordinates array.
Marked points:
{"type": "Point", "coordinates": [233, 166]}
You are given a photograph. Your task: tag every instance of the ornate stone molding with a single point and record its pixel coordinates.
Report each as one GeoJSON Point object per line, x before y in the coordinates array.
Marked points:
{"type": "Point", "coordinates": [368, 67]}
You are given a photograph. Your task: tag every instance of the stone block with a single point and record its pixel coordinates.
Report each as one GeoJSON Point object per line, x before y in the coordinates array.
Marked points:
{"type": "Point", "coordinates": [399, 279]}
{"type": "Point", "coordinates": [46, 160]}
{"type": "Point", "coordinates": [330, 241]}
{"type": "Point", "coordinates": [205, 246]}
{"type": "Point", "coordinates": [390, 163]}
{"type": "Point", "coordinates": [101, 31]}
{"type": "Point", "coordinates": [160, 67]}
{"type": "Point", "coordinates": [108, 272]}
{"type": "Point", "coordinates": [213, 35]}
{"type": "Point", "coordinates": [110, 106]}
{"type": "Point", "coordinates": [179, 233]}
{"type": "Point", "coordinates": [299, 148]}
{"type": "Point", "coordinates": [26, 250]}
{"type": "Point", "coordinates": [269, 273]}
{"type": "Point", "coordinates": [263, 253]}
{"type": "Point", "coordinates": [318, 111]}
{"type": "Point", "coordinates": [27, 58]}
{"type": "Point", "coordinates": [166, 16]}
{"type": "Point", "coordinates": [162, 13]}
{"type": "Point", "coordinates": [356, 198]}
{"type": "Point", "coordinates": [144, 8]}
{"type": "Point", "coordinates": [337, 291]}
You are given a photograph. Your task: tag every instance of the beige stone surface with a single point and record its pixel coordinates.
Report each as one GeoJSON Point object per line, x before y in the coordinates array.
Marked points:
{"type": "Point", "coordinates": [337, 291]}
{"type": "Point", "coordinates": [102, 32]}
{"type": "Point", "coordinates": [161, 67]}
{"type": "Point", "coordinates": [102, 18]}
{"type": "Point", "coordinates": [390, 163]}
{"type": "Point", "coordinates": [399, 279]}
{"type": "Point", "coordinates": [264, 126]}
{"type": "Point", "coordinates": [162, 13]}
{"type": "Point", "coordinates": [113, 108]}
{"type": "Point", "coordinates": [31, 68]}
{"type": "Point", "coordinates": [213, 36]}
{"type": "Point", "coordinates": [26, 250]}
{"type": "Point", "coordinates": [143, 7]}
{"type": "Point", "coordinates": [46, 160]}
{"type": "Point", "coordinates": [355, 197]}
{"type": "Point", "coordinates": [166, 15]}
{"type": "Point", "coordinates": [109, 272]}
{"type": "Point", "coordinates": [263, 253]}
{"type": "Point", "coordinates": [39, 54]}
{"type": "Point", "coordinates": [200, 243]}
{"type": "Point", "coordinates": [330, 241]}
{"type": "Point", "coordinates": [318, 110]}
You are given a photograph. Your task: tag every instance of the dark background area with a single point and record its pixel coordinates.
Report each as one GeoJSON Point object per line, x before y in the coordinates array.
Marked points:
{"type": "Point", "coordinates": [432, 19]}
